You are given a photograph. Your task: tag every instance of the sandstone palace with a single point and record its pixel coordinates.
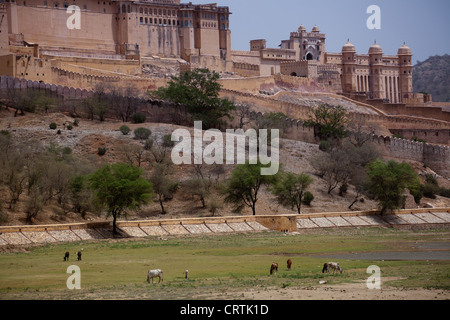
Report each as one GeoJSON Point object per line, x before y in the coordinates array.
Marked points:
{"type": "Point", "coordinates": [117, 38]}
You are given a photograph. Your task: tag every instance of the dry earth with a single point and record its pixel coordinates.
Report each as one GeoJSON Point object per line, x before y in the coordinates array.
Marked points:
{"type": "Point", "coordinates": [348, 291]}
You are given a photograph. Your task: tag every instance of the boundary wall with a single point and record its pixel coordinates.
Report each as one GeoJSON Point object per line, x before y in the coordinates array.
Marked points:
{"type": "Point", "coordinates": [402, 219]}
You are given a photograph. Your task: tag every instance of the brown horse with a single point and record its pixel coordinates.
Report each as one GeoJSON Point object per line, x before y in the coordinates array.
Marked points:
{"type": "Point", "coordinates": [66, 256]}
{"type": "Point", "coordinates": [289, 264]}
{"type": "Point", "coordinates": [274, 267]}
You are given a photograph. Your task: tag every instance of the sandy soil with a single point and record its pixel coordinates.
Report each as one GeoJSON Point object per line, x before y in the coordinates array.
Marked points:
{"type": "Point", "coordinates": [347, 291]}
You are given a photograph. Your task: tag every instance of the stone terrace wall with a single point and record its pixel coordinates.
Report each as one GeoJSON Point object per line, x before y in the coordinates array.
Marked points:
{"type": "Point", "coordinates": [415, 218]}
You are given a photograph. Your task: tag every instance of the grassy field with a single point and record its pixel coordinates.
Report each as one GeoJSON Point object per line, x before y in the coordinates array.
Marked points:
{"type": "Point", "coordinates": [220, 266]}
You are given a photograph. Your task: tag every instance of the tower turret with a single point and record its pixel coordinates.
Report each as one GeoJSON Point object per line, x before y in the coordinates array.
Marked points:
{"type": "Point", "coordinates": [348, 70]}
{"type": "Point", "coordinates": [404, 59]}
{"type": "Point", "coordinates": [376, 71]}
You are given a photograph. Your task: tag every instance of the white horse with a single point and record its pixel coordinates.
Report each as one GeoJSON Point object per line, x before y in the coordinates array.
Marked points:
{"type": "Point", "coordinates": [333, 265]}
{"type": "Point", "coordinates": [155, 274]}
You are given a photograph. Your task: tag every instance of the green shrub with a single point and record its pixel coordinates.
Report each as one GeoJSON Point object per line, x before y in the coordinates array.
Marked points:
{"type": "Point", "coordinates": [443, 192]}
{"type": "Point", "coordinates": [5, 133]}
{"type": "Point", "coordinates": [324, 146]}
{"type": "Point", "coordinates": [53, 126]}
{"type": "Point", "coordinates": [125, 130]}
{"type": "Point", "coordinates": [148, 144]}
{"type": "Point", "coordinates": [308, 197]}
{"type": "Point", "coordinates": [139, 117]}
{"type": "Point", "coordinates": [101, 151]}
{"type": "Point", "coordinates": [430, 190]}
{"type": "Point", "coordinates": [142, 133]}
{"type": "Point", "coordinates": [69, 126]}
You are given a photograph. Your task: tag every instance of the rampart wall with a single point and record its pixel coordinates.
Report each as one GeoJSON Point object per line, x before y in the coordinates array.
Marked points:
{"type": "Point", "coordinates": [429, 110]}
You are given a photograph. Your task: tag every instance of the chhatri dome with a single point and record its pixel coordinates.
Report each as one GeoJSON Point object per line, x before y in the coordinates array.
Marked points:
{"type": "Point", "coordinates": [404, 50]}
{"type": "Point", "coordinates": [315, 29]}
{"type": "Point", "coordinates": [375, 49]}
{"type": "Point", "coordinates": [348, 47]}
{"type": "Point", "coordinates": [302, 28]}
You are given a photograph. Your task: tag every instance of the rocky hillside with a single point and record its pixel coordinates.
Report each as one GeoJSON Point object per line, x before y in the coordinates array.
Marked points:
{"type": "Point", "coordinates": [432, 76]}
{"type": "Point", "coordinates": [85, 139]}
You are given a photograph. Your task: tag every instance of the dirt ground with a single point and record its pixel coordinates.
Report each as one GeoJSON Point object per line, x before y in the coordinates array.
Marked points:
{"type": "Point", "coordinates": [348, 291]}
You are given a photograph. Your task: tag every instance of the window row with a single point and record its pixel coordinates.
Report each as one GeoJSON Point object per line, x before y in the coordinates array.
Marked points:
{"type": "Point", "coordinates": [157, 12]}
{"type": "Point", "coordinates": [159, 21]}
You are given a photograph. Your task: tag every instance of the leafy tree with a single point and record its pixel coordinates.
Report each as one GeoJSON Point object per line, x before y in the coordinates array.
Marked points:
{"type": "Point", "coordinates": [341, 166]}
{"type": "Point", "coordinates": [161, 149]}
{"type": "Point", "coordinates": [162, 185]}
{"type": "Point", "coordinates": [329, 121]}
{"type": "Point", "coordinates": [244, 185]}
{"type": "Point", "coordinates": [198, 187]}
{"type": "Point", "coordinates": [290, 188]}
{"type": "Point", "coordinates": [388, 181]}
{"type": "Point", "coordinates": [119, 188]}
{"type": "Point", "coordinates": [198, 91]}
{"type": "Point", "coordinates": [80, 194]}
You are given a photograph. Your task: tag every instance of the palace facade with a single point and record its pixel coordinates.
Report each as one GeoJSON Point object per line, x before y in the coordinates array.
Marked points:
{"type": "Point", "coordinates": [116, 36]}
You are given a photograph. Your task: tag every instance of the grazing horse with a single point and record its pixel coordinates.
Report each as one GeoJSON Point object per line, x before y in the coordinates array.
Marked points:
{"type": "Point", "coordinates": [66, 256]}
{"type": "Point", "coordinates": [333, 265]}
{"type": "Point", "coordinates": [155, 274]}
{"type": "Point", "coordinates": [186, 273]}
{"type": "Point", "coordinates": [274, 267]}
{"type": "Point", "coordinates": [79, 255]}
{"type": "Point", "coordinates": [289, 264]}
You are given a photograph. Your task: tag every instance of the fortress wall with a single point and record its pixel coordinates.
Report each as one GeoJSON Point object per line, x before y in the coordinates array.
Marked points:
{"type": "Point", "coordinates": [50, 30]}
{"type": "Point", "coordinates": [248, 84]}
{"type": "Point", "coordinates": [438, 136]}
{"type": "Point", "coordinates": [158, 40]}
{"type": "Point", "coordinates": [246, 69]}
{"type": "Point", "coordinates": [88, 81]}
{"type": "Point", "coordinates": [96, 66]}
{"type": "Point", "coordinates": [438, 159]}
{"type": "Point", "coordinates": [433, 111]}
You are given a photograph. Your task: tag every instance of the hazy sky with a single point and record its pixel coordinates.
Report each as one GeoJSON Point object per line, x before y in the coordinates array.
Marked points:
{"type": "Point", "coordinates": [423, 25]}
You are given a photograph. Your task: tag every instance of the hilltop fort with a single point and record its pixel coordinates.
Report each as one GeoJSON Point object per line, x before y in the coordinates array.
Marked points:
{"type": "Point", "coordinates": [145, 42]}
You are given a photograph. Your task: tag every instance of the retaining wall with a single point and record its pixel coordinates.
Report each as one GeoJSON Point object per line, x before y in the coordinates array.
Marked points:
{"type": "Point", "coordinates": [416, 218]}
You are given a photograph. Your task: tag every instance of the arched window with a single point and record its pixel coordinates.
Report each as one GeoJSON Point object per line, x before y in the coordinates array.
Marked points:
{"type": "Point", "coordinates": [124, 9]}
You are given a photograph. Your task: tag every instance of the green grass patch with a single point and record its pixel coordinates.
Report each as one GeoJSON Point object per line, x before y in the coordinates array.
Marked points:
{"type": "Point", "coordinates": [117, 269]}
